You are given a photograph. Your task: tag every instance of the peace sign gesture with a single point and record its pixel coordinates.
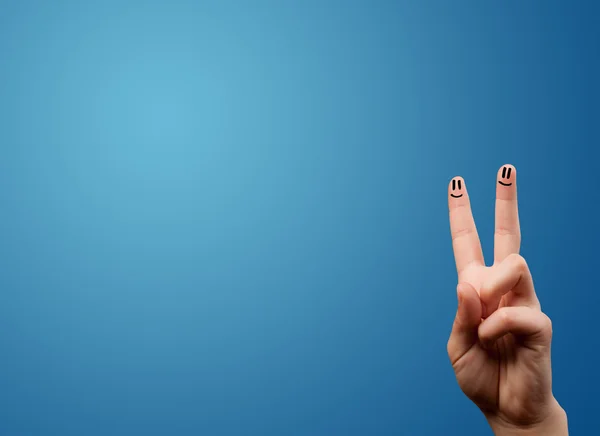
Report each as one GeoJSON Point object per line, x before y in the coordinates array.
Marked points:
{"type": "Point", "coordinates": [500, 341]}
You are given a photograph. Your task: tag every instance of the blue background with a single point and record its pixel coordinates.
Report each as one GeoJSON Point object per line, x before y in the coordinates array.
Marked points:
{"type": "Point", "coordinates": [229, 217]}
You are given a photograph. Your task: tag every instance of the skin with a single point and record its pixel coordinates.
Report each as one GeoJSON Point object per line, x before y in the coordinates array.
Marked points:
{"type": "Point", "coordinates": [499, 346]}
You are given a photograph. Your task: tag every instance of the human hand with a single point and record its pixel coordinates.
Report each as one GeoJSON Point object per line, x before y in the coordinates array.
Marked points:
{"type": "Point", "coordinates": [500, 341]}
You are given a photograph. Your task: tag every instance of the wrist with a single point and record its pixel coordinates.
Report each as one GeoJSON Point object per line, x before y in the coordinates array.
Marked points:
{"type": "Point", "coordinates": [553, 424]}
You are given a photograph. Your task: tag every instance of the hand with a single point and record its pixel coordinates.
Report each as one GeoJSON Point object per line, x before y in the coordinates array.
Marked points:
{"type": "Point", "coordinates": [500, 341]}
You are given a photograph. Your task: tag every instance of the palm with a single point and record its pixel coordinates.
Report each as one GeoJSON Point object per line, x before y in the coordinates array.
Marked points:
{"type": "Point", "coordinates": [492, 377]}
{"type": "Point", "coordinates": [499, 377]}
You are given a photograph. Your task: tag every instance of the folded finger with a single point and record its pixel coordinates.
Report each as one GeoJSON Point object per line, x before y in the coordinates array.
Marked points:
{"type": "Point", "coordinates": [531, 325]}
{"type": "Point", "coordinates": [511, 275]}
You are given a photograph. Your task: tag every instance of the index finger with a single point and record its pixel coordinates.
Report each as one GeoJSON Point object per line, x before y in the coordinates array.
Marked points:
{"type": "Point", "coordinates": [465, 240]}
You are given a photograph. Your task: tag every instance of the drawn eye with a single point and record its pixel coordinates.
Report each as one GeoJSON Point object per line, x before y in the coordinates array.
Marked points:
{"type": "Point", "coordinates": [505, 176]}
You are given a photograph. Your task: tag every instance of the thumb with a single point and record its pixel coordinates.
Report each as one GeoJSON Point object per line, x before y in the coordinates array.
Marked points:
{"type": "Point", "coordinates": [466, 322]}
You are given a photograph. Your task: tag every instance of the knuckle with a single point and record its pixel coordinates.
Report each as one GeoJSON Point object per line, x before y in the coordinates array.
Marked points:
{"type": "Point", "coordinates": [505, 317]}
{"type": "Point", "coordinates": [451, 348]}
{"type": "Point", "coordinates": [518, 262]}
{"type": "Point", "coordinates": [508, 231]}
{"type": "Point", "coordinates": [462, 232]}
{"type": "Point", "coordinates": [547, 324]}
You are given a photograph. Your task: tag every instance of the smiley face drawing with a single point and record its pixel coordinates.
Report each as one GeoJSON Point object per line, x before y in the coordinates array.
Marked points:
{"type": "Point", "coordinates": [506, 186]}
{"type": "Point", "coordinates": [505, 179]}
{"type": "Point", "coordinates": [457, 191]}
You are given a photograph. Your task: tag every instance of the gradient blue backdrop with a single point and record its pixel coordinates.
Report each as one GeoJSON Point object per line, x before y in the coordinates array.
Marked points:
{"type": "Point", "coordinates": [229, 217]}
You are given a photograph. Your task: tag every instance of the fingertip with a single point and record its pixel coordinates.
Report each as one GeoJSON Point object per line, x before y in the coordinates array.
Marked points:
{"type": "Point", "coordinates": [469, 304]}
{"type": "Point", "coordinates": [457, 188]}
{"type": "Point", "coordinates": [506, 181]}
{"type": "Point", "coordinates": [484, 332]}
{"type": "Point", "coordinates": [465, 288]}
{"type": "Point", "coordinates": [467, 292]}
{"type": "Point", "coordinates": [504, 170]}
